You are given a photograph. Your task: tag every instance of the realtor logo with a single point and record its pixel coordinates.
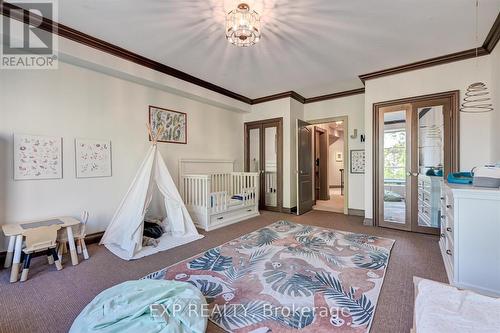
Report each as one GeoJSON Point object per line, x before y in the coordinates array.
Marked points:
{"type": "Point", "coordinates": [28, 35]}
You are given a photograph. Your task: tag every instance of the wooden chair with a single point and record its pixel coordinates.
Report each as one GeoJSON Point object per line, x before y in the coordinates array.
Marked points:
{"type": "Point", "coordinates": [79, 235]}
{"type": "Point", "coordinates": [40, 239]}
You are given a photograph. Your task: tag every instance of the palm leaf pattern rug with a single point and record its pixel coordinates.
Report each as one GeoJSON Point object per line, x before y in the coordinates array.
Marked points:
{"type": "Point", "coordinates": [288, 277]}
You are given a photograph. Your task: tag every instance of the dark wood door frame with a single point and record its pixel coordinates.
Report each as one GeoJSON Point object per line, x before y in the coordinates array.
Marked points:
{"type": "Point", "coordinates": [321, 148]}
{"type": "Point", "coordinates": [262, 124]}
{"type": "Point", "coordinates": [451, 136]}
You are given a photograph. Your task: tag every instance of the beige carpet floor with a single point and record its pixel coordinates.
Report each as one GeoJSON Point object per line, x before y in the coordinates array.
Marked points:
{"type": "Point", "coordinates": [50, 300]}
{"type": "Point", "coordinates": [335, 204]}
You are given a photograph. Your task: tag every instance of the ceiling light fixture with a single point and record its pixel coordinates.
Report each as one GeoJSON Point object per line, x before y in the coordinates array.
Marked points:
{"type": "Point", "coordinates": [243, 26]}
{"type": "Point", "coordinates": [476, 98]}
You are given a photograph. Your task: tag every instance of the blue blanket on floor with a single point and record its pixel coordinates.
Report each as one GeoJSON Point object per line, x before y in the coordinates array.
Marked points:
{"type": "Point", "coordinates": [144, 306]}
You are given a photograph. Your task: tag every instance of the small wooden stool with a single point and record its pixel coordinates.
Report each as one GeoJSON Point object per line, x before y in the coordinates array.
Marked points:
{"type": "Point", "coordinates": [40, 239]}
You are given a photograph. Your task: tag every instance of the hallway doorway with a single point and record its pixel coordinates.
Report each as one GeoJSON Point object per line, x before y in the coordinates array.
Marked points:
{"type": "Point", "coordinates": [329, 143]}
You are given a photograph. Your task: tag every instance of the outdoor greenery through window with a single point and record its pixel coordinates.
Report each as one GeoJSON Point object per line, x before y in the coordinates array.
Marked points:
{"type": "Point", "coordinates": [395, 155]}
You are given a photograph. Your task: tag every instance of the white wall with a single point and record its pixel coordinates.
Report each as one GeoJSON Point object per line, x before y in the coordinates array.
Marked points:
{"type": "Point", "coordinates": [75, 102]}
{"type": "Point", "coordinates": [495, 90]}
{"type": "Point", "coordinates": [352, 107]}
{"type": "Point", "coordinates": [475, 130]}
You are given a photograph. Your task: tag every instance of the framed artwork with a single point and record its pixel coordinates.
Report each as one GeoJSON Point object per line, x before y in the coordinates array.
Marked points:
{"type": "Point", "coordinates": [338, 156]}
{"type": "Point", "coordinates": [37, 157]}
{"type": "Point", "coordinates": [173, 124]}
{"type": "Point", "coordinates": [93, 158]}
{"type": "Point", "coordinates": [358, 161]}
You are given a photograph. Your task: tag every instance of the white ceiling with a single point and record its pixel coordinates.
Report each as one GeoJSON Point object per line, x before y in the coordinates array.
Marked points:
{"type": "Point", "coordinates": [313, 47]}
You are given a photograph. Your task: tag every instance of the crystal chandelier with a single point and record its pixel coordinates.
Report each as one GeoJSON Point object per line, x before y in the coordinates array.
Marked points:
{"type": "Point", "coordinates": [243, 26]}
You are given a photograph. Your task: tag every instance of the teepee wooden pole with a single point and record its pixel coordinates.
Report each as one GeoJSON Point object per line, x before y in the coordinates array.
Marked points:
{"type": "Point", "coordinates": [154, 137]}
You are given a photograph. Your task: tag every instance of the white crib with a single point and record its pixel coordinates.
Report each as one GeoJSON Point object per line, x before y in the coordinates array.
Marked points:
{"type": "Point", "coordinates": [209, 197]}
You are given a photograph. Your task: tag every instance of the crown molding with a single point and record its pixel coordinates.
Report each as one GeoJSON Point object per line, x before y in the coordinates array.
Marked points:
{"type": "Point", "coordinates": [493, 36]}
{"type": "Point", "coordinates": [335, 95]}
{"type": "Point", "coordinates": [462, 55]}
{"type": "Point", "coordinates": [287, 94]}
{"type": "Point", "coordinates": [77, 36]}
{"type": "Point", "coordinates": [488, 46]}
{"type": "Point", "coordinates": [101, 45]}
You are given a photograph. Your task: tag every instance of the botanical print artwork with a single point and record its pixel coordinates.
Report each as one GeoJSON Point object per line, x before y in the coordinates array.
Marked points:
{"type": "Point", "coordinates": [37, 157]}
{"type": "Point", "coordinates": [357, 161]}
{"type": "Point", "coordinates": [93, 158]}
{"type": "Point", "coordinates": [288, 277]}
{"type": "Point", "coordinates": [171, 125]}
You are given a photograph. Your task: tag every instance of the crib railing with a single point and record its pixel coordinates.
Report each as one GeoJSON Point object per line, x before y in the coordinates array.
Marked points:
{"type": "Point", "coordinates": [214, 190]}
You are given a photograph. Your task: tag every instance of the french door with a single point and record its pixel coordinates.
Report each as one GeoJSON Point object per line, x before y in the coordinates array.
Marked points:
{"type": "Point", "coordinates": [263, 154]}
{"type": "Point", "coordinates": [415, 147]}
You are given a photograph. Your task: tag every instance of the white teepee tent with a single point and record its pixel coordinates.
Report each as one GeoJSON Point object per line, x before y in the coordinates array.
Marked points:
{"type": "Point", "coordinates": [152, 189]}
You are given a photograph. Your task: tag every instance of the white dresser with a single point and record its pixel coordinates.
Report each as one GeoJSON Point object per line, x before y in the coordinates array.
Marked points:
{"type": "Point", "coordinates": [470, 237]}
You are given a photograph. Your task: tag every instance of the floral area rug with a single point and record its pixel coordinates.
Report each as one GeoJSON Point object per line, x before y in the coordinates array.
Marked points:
{"type": "Point", "coordinates": [289, 277]}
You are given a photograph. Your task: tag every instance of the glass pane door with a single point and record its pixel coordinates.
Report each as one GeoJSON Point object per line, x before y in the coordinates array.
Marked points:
{"type": "Point", "coordinates": [394, 163]}
{"type": "Point", "coordinates": [430, 157]}
{"type": "Point", "coordinates": [254, 149]}
{"type": "Point", "coordinates": [271, 166]}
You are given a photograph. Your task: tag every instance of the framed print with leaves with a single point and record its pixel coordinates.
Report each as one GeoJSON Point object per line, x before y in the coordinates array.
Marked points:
{"type": "Point", "coordinates": [172, 124]}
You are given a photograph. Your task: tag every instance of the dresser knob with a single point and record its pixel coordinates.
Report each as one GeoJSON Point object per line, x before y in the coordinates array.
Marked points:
{"type": "Point", "coordinates": [448, 252]}
{"type": "Point", "coordinates": [448, 229]}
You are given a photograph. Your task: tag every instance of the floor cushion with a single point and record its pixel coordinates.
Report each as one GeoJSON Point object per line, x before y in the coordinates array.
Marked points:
{"type": "Point", "coordinates": [445, 309]}
{"type": "Point", "coordinates": [144, 306]}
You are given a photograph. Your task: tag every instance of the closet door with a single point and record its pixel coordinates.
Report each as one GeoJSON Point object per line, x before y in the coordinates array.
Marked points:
{"type": "Point", "coordinates": [263, 154]}
{"type": "Point", "coordinates": [271, 163]}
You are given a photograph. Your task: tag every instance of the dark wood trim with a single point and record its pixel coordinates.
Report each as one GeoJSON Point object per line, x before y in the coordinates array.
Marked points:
{"type": "Point", "coordinates": [335, 95]}
{"type": "Point", "coordinates": [493, 36]}
{"type": "Point", "coordinates": [452, 158]}
{"type": "Point", "coordinates": [356, 212]}
{"type": "Point", "coordinates": [292, 210]}
{"type": "Point", "coordinates": [488, 46]}
{"type": "Point", "coordinates": [288, 94]}
{"type": "Point", "coordinates": [94, 238]}
{"type": "Point", "coordinates": [168, 110]}
{"type": "Point", "coordinates": [425, 63]}
{"type": "Point", "coordinates": [101, 45]}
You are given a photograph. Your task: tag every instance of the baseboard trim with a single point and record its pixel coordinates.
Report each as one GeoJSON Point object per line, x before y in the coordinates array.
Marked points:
{"type": "Point", "coordinates": [356, 212]}
{"type": "Point", "coordinates": [367, 221]}
{"type": "Point", "coordinates": [292, 210]}
{"type": "Point", "coordinates": [89, 239]}
{"type": "Point", "coordinates": [94, 238]}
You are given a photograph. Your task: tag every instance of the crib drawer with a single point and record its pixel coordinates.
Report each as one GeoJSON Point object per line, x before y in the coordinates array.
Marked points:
{"type": "Point", "coordinates": [233, 215]}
